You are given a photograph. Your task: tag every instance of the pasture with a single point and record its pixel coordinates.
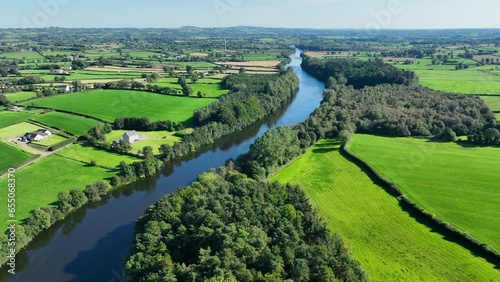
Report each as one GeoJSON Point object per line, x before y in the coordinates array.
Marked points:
{"type": "Point", "coordinates": [493, 103]}
{"type": "Point", "coordinates": [20, 96]}
{"type": "Point", "coordinates": [211, 87]}
{"type": "Point", "coordinates": [17, 129]}
{"type": "Point", "coordinates": [265, 64]}
{"type": "Point", "coordinates": [110, 104]}
{"type": "Point", "coordinates": [387, 241]}
{"type": "Point", "coordinates": [38, 184]}
{"type": "Point", "coordinates": [94, 75]}
{"type": "Point", "coordinates": [103, 158]}
{"type": "Point", "coordinates": [457, 184]}
{"type": "Point", "coordinates": [25, 55]}
{"type": "Point", "coordinates": [73, 124]}
{"type": "Point", "coordinates": [10, 156]}
{"type": "Point", "coordinates": [10, 118]}
{"type": "Point", "coordinates": [51, 140]}
{"type": "Point", "coordinates": [151, 138]}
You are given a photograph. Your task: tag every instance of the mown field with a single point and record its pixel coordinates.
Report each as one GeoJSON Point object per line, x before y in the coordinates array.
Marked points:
{"type": "Point", "coordinates": [457, 184]}
{"type": "Point", "coordinates": [17, 129]}
{"type": "Point", "coordinates": [20, 96]}
{"type": "Point", "coordinates": [38, 185]}
{"type": "Point", "coordinates": [110, 104]}
{"type": "Point", "coordinates": [152, 138]}
{"type": "Point", "coordinates": [493, 103]}
{"type": "Point", "coordinates": [103, 158]}
{"type": "Point", "coordinates": [10, 156]}
{"type": "Point", "coordinates": [10, 118]}
{"type": "Point", "coordinates": [388, 242]}
{"type": "Point", "coordinates": [73, 124]}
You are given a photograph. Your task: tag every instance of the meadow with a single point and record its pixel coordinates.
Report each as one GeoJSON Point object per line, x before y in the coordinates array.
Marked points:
{"type": "Point", "coordinates": [27, 55]}
{"type": "Point", "coordinates": [91, 75]}
{"type": "Point", "coordinates": [10, 118]}
{"type": "Point", "coordinates": [103, 158]}
{"type": "Point", "coordinates": [17, 129]}
{"type": "Point", "coordinates": [457, 184]}
{"type": "Point", "coordinates": [51, 140]}
{"type": "Point", "coordinates": [20, 96]}
{"type": "Point", "coordinates": [493, 103]}
{"type": "Point", "coordinates": [73, 124]}
{"type": "Point", "coordinates": [10, 156]}
{"type": "Point", "coordinates": [110, 104]}
{"type": "Point", "coordinates": [387, 241]}
{"type": "Point", "coordinates": [153, 138]}
{"type": "Point", "coordinates": [38, 185]}
{"type": "Point", "coordinates": [211, 87]}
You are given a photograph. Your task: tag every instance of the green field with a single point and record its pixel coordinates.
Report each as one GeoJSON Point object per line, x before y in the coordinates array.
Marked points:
{"type": "Point", "coordinates": [211, 87]}
{"type": "Point", "coordinates": [110, 104]}
{"type": "Point", "coordinates": [51, 140]}
{"type": "Point", "coordinates": [10, 118]}
{"type": "Point", "coordinates": [73, 124]}
{"type": "Point", "coordinates": [10, 156]}
{"type": "Point", "coordinates": [475, 80]}
{"type": "Point", "coordinates": [493, 103]}
{"type": "Point", "coordinates": [20, 96]}
{"type": "Point", "coordinates": [103, 158]}
{"type": "Point", "coordinates": [153, 138]}
{"type": "Point", "coordinates": [28, 55]}
{"type": "Point", "coordinates": [86, 75]}
{"type": "Point", "coordinates": [387, 241]}
{"type": "Point", "coordinates": [17, 129]}
{"type": "Point", "coordinates": [457, 184]}
{"type": "Point", "coordinates": [38, 184]}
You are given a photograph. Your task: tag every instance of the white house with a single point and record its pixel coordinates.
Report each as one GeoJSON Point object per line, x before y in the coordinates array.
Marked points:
{"type": "Point", "coordinates": [64, 88]}
{"type": "Point", "coordinates": [36, 136]}
{"type": "Point", "coordinates": [131, 136]}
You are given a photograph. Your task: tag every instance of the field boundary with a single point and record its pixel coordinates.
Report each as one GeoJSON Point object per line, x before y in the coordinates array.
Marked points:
{"type": "Point", "coordinates": [71, 113]}
{"type": "Point", "coordinates": [450, 232]}
{"type": "Point", "coordinates": [21, 164]}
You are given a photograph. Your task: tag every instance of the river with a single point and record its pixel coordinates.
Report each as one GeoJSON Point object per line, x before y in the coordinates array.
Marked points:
{"type": "Point", "coordinates": [92, 243]}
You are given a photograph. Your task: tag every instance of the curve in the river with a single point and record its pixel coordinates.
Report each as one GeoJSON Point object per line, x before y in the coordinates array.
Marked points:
{"type": "Point", "coordinates": [92, 243]}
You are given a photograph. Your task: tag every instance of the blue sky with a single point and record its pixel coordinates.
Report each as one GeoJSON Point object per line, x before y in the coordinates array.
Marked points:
{"type": "Point", "coordinates": [272, 13]}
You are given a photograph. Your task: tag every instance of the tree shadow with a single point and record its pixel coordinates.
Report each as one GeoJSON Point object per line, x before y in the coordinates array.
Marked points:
{"type": "Point", "coordinates": [331, 145]}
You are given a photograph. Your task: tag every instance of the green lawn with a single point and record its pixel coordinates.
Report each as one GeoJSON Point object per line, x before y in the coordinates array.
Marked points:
{"type": "Point", "coordinates": [110, 104]}
{"type": "Point", "coordinates": [20, 96]}
{"type": "Point", "coordinates": [390, 244]}
{"type": "Point", "coordinates": [103, 158]}
{"type": "Point", "coordinates": [17, 129]}
{"type": "Point", "coordinates": [10, 156]}
{"type": "Point", "coordinates": [51, 140]}
{"type": "Point", "coordinates": [153, 138]}
{"type": "Point", "coordinates": [10, 118]}
{"type": "Point", "coordinates": [457, 184]}
{"type": "Point", "coordinates": [73, 124]}
{"type": "Point", "coordinates": [38, 184]}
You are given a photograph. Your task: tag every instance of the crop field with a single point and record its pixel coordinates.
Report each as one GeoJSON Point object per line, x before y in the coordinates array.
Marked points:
{"type": "Point", "coordinates": [211, 87]}
{"type": "Point", "coordinates": [110, 104]}
{"type": "Point", "coordinates": [20, 96]}
{"type": "Point", "coordinates": [387, 241]}
{"type": "Point", "coordinates": [10, 118]}
{"type": "Point", "coordinates": [73, 124]}
{"type": "Point", "coordinates": [151, 138]}
{"type": "Point", "coordinates": [457, 184]}
{"type": "Point", "coordinates": [103, 158]}
{"type": "Point", "coordinates": [10, 156]}
{"type": "Point", "coordinates": [28, 55]}
{"type": "Point", "coordinates": [38, 185]}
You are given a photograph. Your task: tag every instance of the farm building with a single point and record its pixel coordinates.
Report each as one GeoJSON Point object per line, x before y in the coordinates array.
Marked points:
{"type": "Point", "coordinates": [64, 88]}
{"type": "Point", "coordinates": [130, 137]}
{"type": "Point", "coordinates": [36, 136]}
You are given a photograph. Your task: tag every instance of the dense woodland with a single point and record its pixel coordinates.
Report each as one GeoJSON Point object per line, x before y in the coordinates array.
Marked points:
{"type": "Point", "coordinates": [226, 227]}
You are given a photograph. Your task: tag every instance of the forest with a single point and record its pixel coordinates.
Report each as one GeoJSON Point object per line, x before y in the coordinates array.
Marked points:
{"type": "Point", "coordinates": [226, 227]}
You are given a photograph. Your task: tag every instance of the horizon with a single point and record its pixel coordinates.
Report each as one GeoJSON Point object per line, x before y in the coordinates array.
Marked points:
{"type": "Point", "coordinates": [293, 14]}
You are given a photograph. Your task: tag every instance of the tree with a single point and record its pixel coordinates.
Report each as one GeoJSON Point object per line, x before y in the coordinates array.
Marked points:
{"type": "Point", "coordinates": [189, 69]}
{"type": "Point", "coordinates": [194, 77]}
{"type": "Point", "coordinates": [345, 136]}
{"type": "Point", "coordinates": [242, 70]}
{"type": "Point", "coordinates": [491, 136]}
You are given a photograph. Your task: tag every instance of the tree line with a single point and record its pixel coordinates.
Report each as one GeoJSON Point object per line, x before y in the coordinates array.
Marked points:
{"type": "Point", "coordinates": [227, 227]}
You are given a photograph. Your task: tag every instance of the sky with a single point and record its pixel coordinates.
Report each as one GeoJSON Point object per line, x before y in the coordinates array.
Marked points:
{"type": "Point", "coordinates": [325, 14]}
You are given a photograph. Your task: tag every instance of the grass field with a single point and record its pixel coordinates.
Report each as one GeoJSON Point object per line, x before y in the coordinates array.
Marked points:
{"type": "Point", "coordinates": [493, 103]}
{"type": "Point", "coordinates": [87, 154]}
{"type": "Point", "coordinates": [87, 75]}
{"type": "Point", "coordinates": [17, 129]}
{"type": "Point", "coordinates": [390, 245]}
{"type": "Point", "coordinates": [457, 184]}
{"type": "Point", "coordinates": [153, 138]}
{"type": "Point", "coordinates": [73, 124]}
{"type": "Point", "coordinates": [10, 156]}
{"type": "Point", "coordinates": [28, 55]}
{"type": "Point", "coordinates": [20, 96]}
{"type": "Point", "coordinates": [211, 87]}
{"type": "Point", "coordinates": [475, 80]}
{"type": "Point", "coordinates": [51, 140]}
{"type": "Point", "coordinates": [10, 118]}
{"type": "Point", "coordinates": [110, 104]}
{"type": "Point", "coordinates": [38, 184]}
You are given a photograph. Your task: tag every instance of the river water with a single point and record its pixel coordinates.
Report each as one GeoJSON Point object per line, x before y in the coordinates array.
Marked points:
{"type": "Point", "coordinates": [92, 244]}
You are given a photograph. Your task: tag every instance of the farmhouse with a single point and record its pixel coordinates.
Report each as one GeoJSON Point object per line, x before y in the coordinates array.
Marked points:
{"type": "Point", "coordinates": [130, 137]}
{"type": "Point", "coordinates": [36, 136]}
{"type": "Point", "coordinates": [64, 88]}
